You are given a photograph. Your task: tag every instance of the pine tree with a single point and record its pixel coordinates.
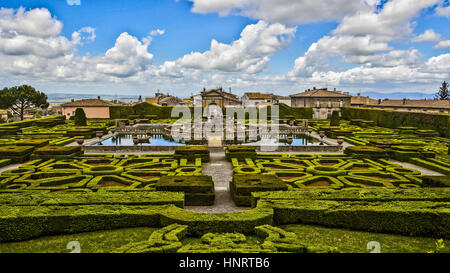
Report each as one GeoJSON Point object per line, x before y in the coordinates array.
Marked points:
{"type": "Point", "coordinates": [443, 93]}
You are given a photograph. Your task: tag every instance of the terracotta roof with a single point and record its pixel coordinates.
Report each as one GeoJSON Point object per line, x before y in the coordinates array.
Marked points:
{"type": "Point", "coordinates": [282, 97]}
{"type": "Point", "coordinates": [170, 99]}
{"type": "Point", "coordinates": [363, 100]}
{"type": "Point", "coordinates": [320, 93]}
{"type": "Point", "coordinates": [151, 100]}
{"type": "Point", "coordinates": [89, 103]}
{"type": "Point", "coordinates": [414, 103]}
{"type": "Point", "coordinates": [259, 96]}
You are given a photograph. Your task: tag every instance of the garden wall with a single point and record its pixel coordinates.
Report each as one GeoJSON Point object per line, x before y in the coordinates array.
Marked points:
{"type": "Point", "coordinates": [395, 119]}
{"type": "Point", "coordinates": [147, 109]}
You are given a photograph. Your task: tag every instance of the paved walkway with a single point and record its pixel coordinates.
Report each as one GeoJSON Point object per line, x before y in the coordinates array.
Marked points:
{"type": "Point", "coordinates": [222, 173]}
{"type": "Point", "coordinates": [10, 167]}
{"type": "Point", "coordinates": [415, 167]}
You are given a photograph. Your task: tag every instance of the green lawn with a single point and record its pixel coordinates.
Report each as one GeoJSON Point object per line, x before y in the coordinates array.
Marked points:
{"type": "Point", "coordinates": [90, 242]}
{"type": "Point", "coordinates": [348, 241]}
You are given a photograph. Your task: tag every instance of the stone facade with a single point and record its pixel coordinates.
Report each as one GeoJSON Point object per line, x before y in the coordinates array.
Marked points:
{"type": "Point", "coordinates": [93, 108]}
{"type": "Point", "coordinates": [219, 97]}
{"type": "Point", "coordinates": [323, 101]}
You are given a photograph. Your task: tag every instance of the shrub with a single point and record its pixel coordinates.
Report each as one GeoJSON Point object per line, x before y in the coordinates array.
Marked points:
{"type": "Point", "coordinates": [335, 119]}
{"type": "Point", "coordinates": [192, 152]}
{"type": "Point", "coordinates": [80, 117]}
{"type": "Point", "coordinates": [199, 190]}
{"type": "Point", "coordinates": [103, 170]}
{"type": "Point", "coordinates": [57, 152]}
{"type": "Point", "coordinates": [33, 142]}
{"type": "Point", "coordinates": [395, 119]}
{"type": "Point", "coordinates": [240, 152]}
{"type": "Point", "coordinates": [366, 152]}
{"type": "Point", "coordinates": [436, 165]}
{"type": "Point", "coordinates": [436, 181]}
{"type": "Point", "coordinates": [412, 218]}
{"type": "Point", "coordinates": [16, 153]}
{"type": "Point", "coordinates": [9, 130]}
{"type": "Point", "coordinates": [165, 240]}
{"type": "Point", "coordinates": [242, 186]}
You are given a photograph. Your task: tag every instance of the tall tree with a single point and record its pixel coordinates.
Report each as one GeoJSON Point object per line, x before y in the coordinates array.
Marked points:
{"type": "Point", "coordinates": [80, 117]}
{"type": "Point", "coordinates": [443, 93]}
{"type": "Point", "coordinates": [21, 98]}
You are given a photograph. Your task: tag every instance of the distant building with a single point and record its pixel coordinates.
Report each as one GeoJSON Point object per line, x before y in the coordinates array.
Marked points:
{"type": "Point", "coordinates": [429, 106]}
{"type": "Point", "coordinates": [359, 101]}
{"type": "Point", "coordinates": [323, 101]}
{"type": "Point", "coordinates": [283, 99]}
{"type": "Point", "coordinates": [197, 100]}
{"type": "Point", "coordinates": [93, 108]}
{"type": "Point", "coordinates": [151, 100]}
{"type": "Point", "coordinates": [255, 98]}
{"type": "Point", "coordinates": [170, 101]}
{"type": "Point", "coordinates": [219, 97]}
{"type": "Point", "coordinates": [4, 114]}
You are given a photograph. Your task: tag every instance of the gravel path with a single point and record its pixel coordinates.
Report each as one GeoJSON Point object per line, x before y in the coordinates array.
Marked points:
{"type": "Point", "coordinates": [222, 173]}
{"type": "Point", "coordinates": [415, 167]}
{"type": "Point", "coordinates": [10, 167]}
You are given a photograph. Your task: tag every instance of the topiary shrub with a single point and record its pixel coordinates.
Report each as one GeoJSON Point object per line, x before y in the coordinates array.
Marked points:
{"type": "Point", "coordinates": [80, 117]}
{"type": "Point", "coordinates": [335, 119]}
{"type": "Point", "coordinates": [199, 190]}
{"type": "Point", "coordinates": [240, 152]}
{"type": "Point", "coordinates": [16, 153]}
{"type": "Point", "coordinates": [366, 152]}
{"type": "Point", "coordinates": [192, 152]}
{"type": "Point", "coordinates": [242, 186]}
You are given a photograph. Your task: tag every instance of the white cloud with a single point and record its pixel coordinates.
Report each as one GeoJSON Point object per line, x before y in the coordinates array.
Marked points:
{"type": "Point", "coordinates": [35, 22]}
{"type": "Point", "coordinates": [443, 11]}
{"type": "Point", "coordinates": [85, 33]}
{"type": "Point", "coordinates": [428, 36]}
{"type": "Point", "coordinates": [128, 57]}
{"type": "Point", "coordinates": [284, 11]}
{"type": "Point", "coordinates": [148, 40]}
{"type": "Point", "coordinates": [33, 32]}
{"type": "Point", "coordinates": [249, 54]}
{"type": "Point", "coordinates": [442, 45]}
{"type": "Point", "coordinates": [392, 23]}
{"type": "Point", "coordinates": [157, 32]}
{"type": "Point", "coordinates": [364, 38]}
{"type": "Point", "coordinates": [73, 2]}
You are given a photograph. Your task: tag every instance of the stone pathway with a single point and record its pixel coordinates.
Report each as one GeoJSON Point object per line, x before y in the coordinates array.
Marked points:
{"type": "Point", "coordinates": [10, 167]}
{"type": "Point", "coordinates": [415, 167]}
{"type": "Point", "coordinates": [222, 173]}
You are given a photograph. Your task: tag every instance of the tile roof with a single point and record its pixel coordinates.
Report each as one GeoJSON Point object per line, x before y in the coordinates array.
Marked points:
{"type": "Point", "coordinates": [259, 96]}
{"type": "Point", "coordinates": [89, 103]}
{"type": "Point", "coordinates": [151, 100]}
{"type": "Point", "coordinates": [363, 100]}
{"type": "Point", "coordinates": [320, 93]}
{"type": "Point", "coordinates": [414, 103]}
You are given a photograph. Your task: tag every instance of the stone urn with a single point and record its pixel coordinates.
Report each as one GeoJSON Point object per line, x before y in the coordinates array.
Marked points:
{"type": "Point", "coordinates": [310, 130]}
{"type": "Point", "coordinates": [113, 130]}
{"type": "Point", "coordinates": [135, 140]}
{"type": "Point", "coordinates": [340, 141]}
{"type": "Point", "coordinates": [322, 134]}
{"type": "Point", "coordinates": [79, 140]}
{"type": "Point", "coordinates": [99, 134]}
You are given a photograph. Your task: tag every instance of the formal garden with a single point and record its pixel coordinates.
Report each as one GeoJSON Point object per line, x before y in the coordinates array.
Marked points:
{"type": "Point", "coordinates": [389, 185]}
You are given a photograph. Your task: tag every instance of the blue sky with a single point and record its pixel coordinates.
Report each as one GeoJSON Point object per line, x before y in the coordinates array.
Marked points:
{"type": "Point", "coordinates": [139, 47]}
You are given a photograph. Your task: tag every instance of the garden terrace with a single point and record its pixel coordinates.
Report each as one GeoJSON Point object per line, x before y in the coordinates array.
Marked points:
{"type": "Point", "coordinates": [359, 194]}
